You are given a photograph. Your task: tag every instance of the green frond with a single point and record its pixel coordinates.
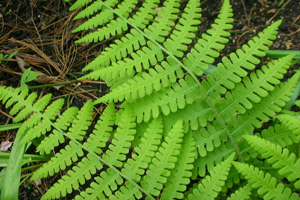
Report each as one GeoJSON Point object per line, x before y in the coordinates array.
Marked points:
{"type": "Point", "coordinates": [164, 21]}
{"type": "Point", "coordinates": [164, 160]}
{"type": "Point", "coordinates": [290, 121]}
{"type": "Point", "coordinates": [19, 105]}
{"type": "Point", "coordinates": [119, 146]}
{"type": "Point", "coordinates": [242, 193]}
{"type": "Point", "coordinates": [144, 83]}
{"type": "Point", "coordinates": [213, 158]}
{"type": "Point", "coordinates": [267, 186]}
{"type": "Point", "coordinates": [206, 49]}
{"type": "Point", "coordinates": [230, 70]}
{"type": "Point", "coordinates": [281, 134]}
{"type": "Point", "coordinates": [28, 109]}
{"type": "Point", "coordinates": [134, 168]}
{"type": "Point", "coordinates": [126, 45]}
{"type": "Point", "coordinates": [129, 191]}
{"type": "Point", "coordinates": [82, 121]}
{"type": "Point", "coordinates": [181, 174]}
{"type": "Point", "coordinates": [243, 124]}
{"type": "Point", "coordinates": [77, 175]}
{"type": "Point", "coordinates": [297, 103]}
{"type": "Point", "coordinates": [209, 187]}
{"type": "Point", "coordinates": [141, 59]}
{"type": "Point", "coordinates": [9, 96]}
{"type": "Point", "coordinates": [105, 16]}
{"type": "Point", "coordinates": [24, 106]}
{"type": "Point", "coordinates": [255, 87]}
{"type": "Point", "coordinates": [145, 14]}
{"type": "Point", "coordinates": [117, 26]}
{"type": "Point", "coordinates": [62, 159]}
{"type": "Point", "coordinates": [43, 126]}
{"type": "Point", "coordinates": [104, 184]}
{"type": "Point", "coordinates": [79, 4]}
{"type": "Point", "coordinates": [114, 27]}
{"type": "Point", "coordinates": [268, 106]}
{"type": "Point", "coordinates": [103, 130]}
{"type": "Point", "coordinates": [169, 99]}
{"type": "Point", "coordinates": [194, 116]}
{"type": "Point", "coordinates": [279, 158]}
{"type": "Point", "coordinates": [183, 33]}
{"type": "Point", "coordinates": [209, 138]}
{"type": "Point", "coordinates": [90, 10]}
{"type": "Point", "coordinates": [56, 138]}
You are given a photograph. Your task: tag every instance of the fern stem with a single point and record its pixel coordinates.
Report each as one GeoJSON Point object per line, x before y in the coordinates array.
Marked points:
{"type": "Point", "coordinates": [208, 99]}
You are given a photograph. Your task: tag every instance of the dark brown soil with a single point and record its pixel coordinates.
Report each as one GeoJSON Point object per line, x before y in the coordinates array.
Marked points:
{"type": "Point", "coordinates": [41, 31]}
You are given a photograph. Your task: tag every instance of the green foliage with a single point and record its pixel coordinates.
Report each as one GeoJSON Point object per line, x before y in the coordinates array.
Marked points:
{"type": "Point", "coordinates": [174, 126]}
{"type": "Point", "coordinates": [6, 58]}
{"type": "Point", "coordinates": [27, 77]}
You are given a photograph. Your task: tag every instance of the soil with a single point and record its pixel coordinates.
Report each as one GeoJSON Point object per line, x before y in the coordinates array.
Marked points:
{"type": "Point", "coordinates": [41, 30]}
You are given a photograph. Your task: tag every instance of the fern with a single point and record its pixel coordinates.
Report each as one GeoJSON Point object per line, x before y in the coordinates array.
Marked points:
{"type": "Point", "coordinates": [174, 127]}
{"type": "Point", "coordinates": [211, 185]}
{"type": "Point", "coordinates": [278, 157]}
{"type": "Point", "coordinates": [269, 188]}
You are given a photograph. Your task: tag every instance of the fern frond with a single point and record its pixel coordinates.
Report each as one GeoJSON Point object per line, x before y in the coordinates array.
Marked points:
{"type": "Point", "coordinates": [279, 158]}
{"type": "Point", "coordinates": [134, 168]}
{"type": "Point", "coordinates": [145, 14]}
{"type": "Point", "coordinates": [169, 99]}
{"type": "Point", "coordinates": [119, 146]}
{"type": "Point", "coordinates": [206, 49]}
{"type": "Point", "coordinates": [145, 151]}
{"type": "Point", "coordinates": [78, 175]}
{"type": "Point", "coordinates": [114, 27]}
{"type": "Point", "coordinates": [267, 185]}
{"type": "Point", "coordinates": [163, 23]}
{"type": "Point", "coordinates": [230, 70]}
{"type": "Point", "coordinates": [104, 184]}
{"type": "Point", "coordinates": [53, 140]}
{"type": "Point", "coordinates": [115, 156]}
{"type": "Point", "coordinates": [242, 193]}
{"type": "Point", "coordinates": [24, 105]}
{"type": "Point", "coordinates": [82, 121]}
{"type": "Point", "coordinates": [141, 59]}
{"type": "Point", "coordinates": [255, 87]}
{"type": "Point", "coordinates": [180, 175]}
{"type": "Point", "coordinates": [209, 187]}
{"type": "Point", "coordinates": [163, 161]}
{"type": "Point", "coordinates": [291, 121]}
{"type": "Point", "coordinates": [243, 124]}
{"type": "Point", "coordinates": [117, 26]}
{"type": "Point", "coordinates": [88, 165]}
{"type": "Point", "coordinates": [144, 83]}
{"type": "Point", "coordinates": [43, 126]}
{"type": "Point", "coordinates": [102, 132]}
{"type": "Point", "coordinates": [281, 134]}
{"type": "Point", "coordinates": [127, 44]}
{"type": "Point", "coordinates": [63, 159]}
{"type": "Point", "coordinates": [194, 116]}
{"type": "Point", "coordinates": [183, 33]}
{"type": "Point", "coordinates": [79, 4]}
{"type": "Point", "coordinates": [90, 10]}
{"type": "Point", "coordinates": [9, 96]}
